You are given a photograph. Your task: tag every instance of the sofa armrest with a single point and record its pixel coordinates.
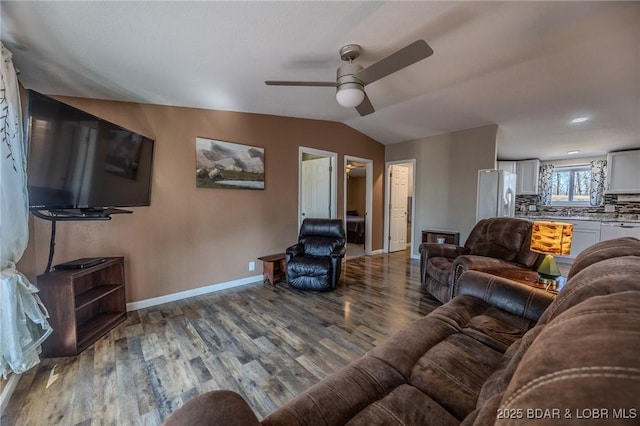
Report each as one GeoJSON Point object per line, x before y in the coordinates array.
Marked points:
{"type": "Point", "coordinates": [293, 251]}
{"type": "Point", "coordinates": [214, 408]}
{"type": "Point", "coordinates": [450, 251]}
{"type": "Point", "coordinates": [511, 296]}
{"type": "Point", "coordinates": [492, 266]}
{"type": "Point", "coordinates": [339, 252]}
{"type": "Point", "coordinates": [429, 250]}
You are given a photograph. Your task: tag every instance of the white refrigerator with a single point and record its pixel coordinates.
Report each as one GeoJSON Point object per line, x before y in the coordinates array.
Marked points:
{"type": "Point", "coordinates": [496, 194]}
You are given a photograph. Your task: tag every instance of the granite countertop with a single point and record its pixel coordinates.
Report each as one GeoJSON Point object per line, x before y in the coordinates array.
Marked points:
{"type": "Point", "coordinates": [601, 218]}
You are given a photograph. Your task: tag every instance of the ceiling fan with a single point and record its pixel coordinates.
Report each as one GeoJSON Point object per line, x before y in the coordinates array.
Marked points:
{"type": "Point", "coordinates": [351, 78]}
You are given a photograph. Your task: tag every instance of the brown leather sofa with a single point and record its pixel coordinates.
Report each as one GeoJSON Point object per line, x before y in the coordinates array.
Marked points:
{"type": "Point", "coordinates": [499, 352]}
{"type": "Point", "coordinates": [498, 246]}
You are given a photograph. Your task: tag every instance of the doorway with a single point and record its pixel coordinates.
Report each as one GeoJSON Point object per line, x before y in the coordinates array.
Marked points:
{"type": "Point", "coordinates": [399, 197]}
{"type": "Point", "coordinates": [316, 184]}
{"type": "Point", "coordinates": [358, 199]}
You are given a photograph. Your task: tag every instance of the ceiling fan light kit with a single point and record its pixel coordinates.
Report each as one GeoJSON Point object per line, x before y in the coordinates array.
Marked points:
{"type": "Point", "coordinates": [351, 78]}
{"type": "Point", "coordinates": [349, 97]}
{"type": "Point", "coordinates": [350, 90]}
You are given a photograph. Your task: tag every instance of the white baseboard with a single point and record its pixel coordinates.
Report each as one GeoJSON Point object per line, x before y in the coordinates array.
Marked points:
{"type": "Point", "coordinates": [379, 251]}
{"type": "Point", "coordinates": [8, 391]}
{"type": "Point", "coordinates": [415, 256]}
{"type": "Point", "coordinates": [147, 303]}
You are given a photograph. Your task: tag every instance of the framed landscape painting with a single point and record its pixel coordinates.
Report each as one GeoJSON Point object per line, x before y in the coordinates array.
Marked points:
{"type": "Point", "coordinates": [221, 164]}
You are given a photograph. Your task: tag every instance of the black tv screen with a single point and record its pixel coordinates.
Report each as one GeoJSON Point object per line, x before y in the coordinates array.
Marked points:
{"type": "Point", "coordinates": [79, 161]}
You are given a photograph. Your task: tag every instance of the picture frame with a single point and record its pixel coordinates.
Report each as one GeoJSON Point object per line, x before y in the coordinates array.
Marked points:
{"type": "Point", "coordinates": [229, 165]}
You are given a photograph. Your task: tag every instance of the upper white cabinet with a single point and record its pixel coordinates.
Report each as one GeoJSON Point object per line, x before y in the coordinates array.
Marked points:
{"type": "Point", "coordinates": [623, 172]}
{"type": "Point", "coordinates": [527, 172]}
{"type": "Point", "coordinates": [509, 166]}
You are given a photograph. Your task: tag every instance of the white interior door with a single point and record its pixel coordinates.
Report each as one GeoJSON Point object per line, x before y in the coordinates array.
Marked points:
{"type": "Point", "coordinates": [398, 208]}
{"type": "Point", "coordinates": [316, 188]}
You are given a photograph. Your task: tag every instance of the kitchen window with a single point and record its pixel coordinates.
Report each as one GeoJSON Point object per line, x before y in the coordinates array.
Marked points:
{"type": "Point", "coordinates": [571, 185]}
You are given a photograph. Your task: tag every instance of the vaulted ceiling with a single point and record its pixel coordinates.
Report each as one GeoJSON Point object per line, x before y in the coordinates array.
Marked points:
{"type": "Point", "coordinates": [530, 67]}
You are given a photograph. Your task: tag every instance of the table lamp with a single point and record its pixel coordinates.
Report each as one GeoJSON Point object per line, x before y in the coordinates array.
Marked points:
{"type": "Point", "coordinates": [550, 238]}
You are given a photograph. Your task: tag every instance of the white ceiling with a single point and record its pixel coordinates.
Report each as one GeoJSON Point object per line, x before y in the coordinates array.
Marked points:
{"type": "Point", "coordinates": [529, 67]}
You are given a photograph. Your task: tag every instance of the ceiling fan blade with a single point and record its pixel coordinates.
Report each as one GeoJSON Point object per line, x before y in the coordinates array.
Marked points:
{"type": "Point", "coordinates": [301, 83]}
{"type": "Point", "coordinates": [365, 107]}
{"type": "Point", "coordinates": [404, 57]}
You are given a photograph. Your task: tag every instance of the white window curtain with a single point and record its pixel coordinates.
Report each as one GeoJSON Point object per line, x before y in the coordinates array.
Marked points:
{"type": "Point", "coordinates": [23, 323]}
{"type": "Point", "coordinates": [544, 184]}
{"type": "Point", "coordinates": [598, 178]}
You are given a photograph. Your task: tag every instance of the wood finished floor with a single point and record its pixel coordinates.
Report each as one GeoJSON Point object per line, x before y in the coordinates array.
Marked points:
{"type": "Point", "coordinates": [267, 345]}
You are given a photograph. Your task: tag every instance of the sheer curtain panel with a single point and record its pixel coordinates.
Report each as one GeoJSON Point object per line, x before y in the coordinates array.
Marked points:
{"type": "Point", "coordinates": [544, 184]}
{"type": "Point", "coordinates": [598, 179]}
{"type": "Point", "coordinates": [23, 318]}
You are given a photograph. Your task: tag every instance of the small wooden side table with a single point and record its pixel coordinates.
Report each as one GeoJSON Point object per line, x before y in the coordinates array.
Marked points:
{"type": "Point", "coordinates": [531, 279]}
{"type": "Point", "coordinates": [273, 267]}
{"type": "Point", "coordinates": [432, 235]}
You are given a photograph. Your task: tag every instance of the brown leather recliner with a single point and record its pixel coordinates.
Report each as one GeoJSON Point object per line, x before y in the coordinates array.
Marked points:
{"type": "Point", "coordinates": [498, 246]}
{"type": "Point", "coordinates": [315, 262]}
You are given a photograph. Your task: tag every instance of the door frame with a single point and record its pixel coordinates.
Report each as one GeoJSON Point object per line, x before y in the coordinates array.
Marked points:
{"type": "Point", "coordinates": [333, 182]}
{"type": "Point", "coordinates": [368, 198]}
{"type": "Point", "coordinates": [387, 202]}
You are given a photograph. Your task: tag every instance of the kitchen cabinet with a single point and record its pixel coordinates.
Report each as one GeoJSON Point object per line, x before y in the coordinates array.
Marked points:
{"type": "Point", "coordinates": [527, 172]}
{"type": "Point", "coordinates": [623, 174]}
{"type": "Point", "coordinates": [509, 166]}
{"type": "Point", "coordinates": [585, 234]}
{"type": "Point", "coordinates": [611, 230]}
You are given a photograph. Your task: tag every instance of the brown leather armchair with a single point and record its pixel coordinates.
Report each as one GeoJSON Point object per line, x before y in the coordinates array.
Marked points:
{"type": "Point", "coordinates": [315, 262]}
{"type": "Point", "coordinates": [498, 246]}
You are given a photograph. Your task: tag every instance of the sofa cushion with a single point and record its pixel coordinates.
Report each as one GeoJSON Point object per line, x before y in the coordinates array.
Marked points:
{"type": "Point", "coordinates": [453, 371]}
{"type": "Point", "coordinates": [425, 333]}
{"type": "Point", "coordinates": [496, 328]}
{"type": "Point", "coordinates": [439, 268]}
{"type": "Point", "coordinates": [501, 238]}
{"type": "Point", "coordinates": [309, 273]}
{"type": "Point", "coordinates": [497, 383]}
{"type": "Point", "coordinates": [604, 250]}
{"type": "Point", "coordinates": [341, 396]}
{"type": "Point", "coordinates": [493, 389]}
{"type": "Point", "coordinates": [581, 362]}
{"type": "Point", "coordinates": [314, 266]}
{"type": "Point", "coordinates": [602, 278]}
{"type": "Point", "coordinates": [320, 246]}
{"type": "Point", "coordinates": [220, 407]}
{"type": "Point", "coordinates": [448, 358]}
{"type": "Point", "coordinates": [405, 405]}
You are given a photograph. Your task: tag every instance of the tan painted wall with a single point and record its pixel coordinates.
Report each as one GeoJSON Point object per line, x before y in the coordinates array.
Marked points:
{"type": "Point", "coordinates": [192, 237]}
{"type": "Point", "coordinates": [446, 177]}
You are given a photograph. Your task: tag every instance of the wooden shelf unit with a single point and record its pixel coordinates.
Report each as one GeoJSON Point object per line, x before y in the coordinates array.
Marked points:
{"type": "Point", "coordinates": [83, 305]}
{"type": "Point", "coordinates": [432, 235]}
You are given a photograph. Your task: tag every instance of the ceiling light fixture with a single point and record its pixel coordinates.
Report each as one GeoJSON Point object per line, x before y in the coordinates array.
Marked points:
{"type": "Point", "coordinates": [579, 120]}
{"type": "Point", "coordinates": [350, 95]}
{"type": "Point", "coordinates": [575, 151]}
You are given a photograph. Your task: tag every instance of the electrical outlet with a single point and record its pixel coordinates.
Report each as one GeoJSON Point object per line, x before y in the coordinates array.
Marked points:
{"type": "Point", "coordinates": [532, 208]}
{"type": "Point", "coordinates": [609, 208]}
{"type": "Point", "coordinates": [252, 266]}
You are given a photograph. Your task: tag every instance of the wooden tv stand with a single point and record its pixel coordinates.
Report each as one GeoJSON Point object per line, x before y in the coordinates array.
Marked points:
{"type": "Point", "coordinates": [83, 305]}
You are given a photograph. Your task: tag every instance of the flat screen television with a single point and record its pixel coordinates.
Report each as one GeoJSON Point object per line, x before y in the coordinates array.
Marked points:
{"type": "Point", "coordinates": [79, 161]}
